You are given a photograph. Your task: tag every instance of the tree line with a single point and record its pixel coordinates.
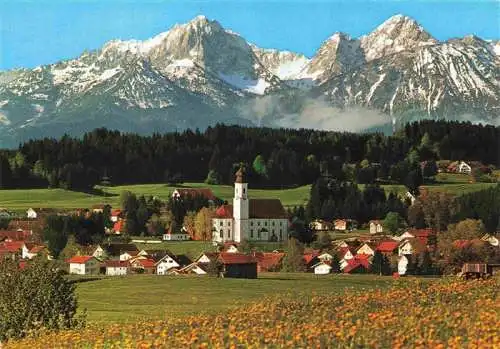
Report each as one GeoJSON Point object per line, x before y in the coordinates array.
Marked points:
{"type": "Point", "coordinates": [273, 157]}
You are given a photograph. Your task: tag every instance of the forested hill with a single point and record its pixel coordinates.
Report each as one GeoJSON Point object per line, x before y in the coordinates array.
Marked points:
{"type": "Point", "coordinates": [274, 157]}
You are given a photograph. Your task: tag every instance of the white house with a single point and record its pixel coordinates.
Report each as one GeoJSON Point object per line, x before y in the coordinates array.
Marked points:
{"type": "Point", "coordinates": [31, 214]}
{"type": "Point", "coordinates": [114, 268]}
{"type": "Point", "coordinates": [406, 248]}
{"type": "Point", "coordinates": [325, 257]}
{"type": "Point", "coordinates": [366, 249]}
{"type": "Point", "coordinates": [491, 239]}
{"type": "Point", "coordinates": [322, 268]}
{"type": "Point", "coordinates": [249, 219]}
{"type": "Point", "coordinates": [207, 257]}
{"type": "Point", "coordinates": [128, 255]}
{"type": "Point", "coordinates": [30, 250]}
{"type": "Point", "coordinates": [176, 237]}
{"type": "Point", "coordinates": [83, 265]}
{"type": "Point", "coordinates": [376, 227]}
{"type": "Point", "coordinates": [402, 265]}
{"type": "Point", "coordinates": [464, 167]}
{"type": "Point", "coordinates": [98, 252]}
{"type": "Point", "coordinates": [166, 263]}
{"type": "Point", "coordinates": [193, 268]}
{"type": "Point", "coordinates": [320, 225]}
{"type": "Point", "coordinates": [411, 197]}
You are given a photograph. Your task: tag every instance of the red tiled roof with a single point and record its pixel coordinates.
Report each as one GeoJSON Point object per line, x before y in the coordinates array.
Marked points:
{"type": "Point", "coordinates": [258, 208]}
{"type": "Point", "coordinates": [14, 235]}
{"type": "Point", "coordinates": [341, 252]}
{"type": "Point", "coordinates": [421, 232]}
{"type": "Point", "coordinates": [387, 246]}
{"type": "Point", "coordinates": [266, 208]}
{"type": "Point", "coordinates": [356, 263]}
{"type": "Point", "coordinates": [12, 246]}
{"type": "Point", "coordinates": [224, 211]}
{"type": "Point", "coordinates": [145, 263]}
{"type": "Point", "coordinates": [236, 258]}
{"type": "Point", "coordinates": [116, 212]}
{"type": "Point", "coordinates": [205, 192]}
{"type": "Point", "coordinates": [267, 260]}
{"type": "Point", "coordinates": [79, 259]}
{"type": "Point", "coordinates": [308, 257]}
{"type": "Point", "coordinates": [117, 264]}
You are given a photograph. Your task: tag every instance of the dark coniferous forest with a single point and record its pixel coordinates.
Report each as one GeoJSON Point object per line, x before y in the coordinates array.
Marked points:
{"type": "Point", "coordinates": [273, 157]}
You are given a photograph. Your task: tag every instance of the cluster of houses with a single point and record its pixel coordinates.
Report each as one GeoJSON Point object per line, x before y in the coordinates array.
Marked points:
{"type": "Point", "coordinates": [356, 255]}
{"type": "Point", "coordinates": [344, 225]}
{"type": "Point", "coordinates": [115, 259]}
{"type": "Point", "coordinates": [21, 245]}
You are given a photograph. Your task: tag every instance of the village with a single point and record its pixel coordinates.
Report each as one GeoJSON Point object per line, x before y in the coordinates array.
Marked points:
{"type": "Point", "coordinates": [237, 247]}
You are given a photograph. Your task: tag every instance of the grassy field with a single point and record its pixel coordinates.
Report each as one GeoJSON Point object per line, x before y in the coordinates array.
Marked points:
{"type": "Point", "coordinates": [127, 299]}
{"type": "Point", "coordinates": [58, 198]}
{"type": "Point", "coordinates": [19, 200]}
{"type": "Point", "coordinates": [194, 248]}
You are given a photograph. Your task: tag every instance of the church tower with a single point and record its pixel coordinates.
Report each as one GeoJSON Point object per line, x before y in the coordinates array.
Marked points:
{"type": "Point", "coordinates": [240, 206]}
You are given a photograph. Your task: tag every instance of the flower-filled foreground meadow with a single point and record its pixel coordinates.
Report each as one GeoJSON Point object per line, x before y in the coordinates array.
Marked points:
{"type": "Point", "coordinates": [410, 314]}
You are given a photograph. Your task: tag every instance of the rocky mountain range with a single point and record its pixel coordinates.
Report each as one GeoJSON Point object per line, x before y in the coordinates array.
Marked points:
{"type": "Point", "coordinates": [199, 73]}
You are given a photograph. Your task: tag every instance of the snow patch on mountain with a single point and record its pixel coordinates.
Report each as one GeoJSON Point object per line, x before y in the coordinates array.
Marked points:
{"type": "Point", "coordinates": [4, 120]}
{"type": "Point", "coordinates": [257, 87]}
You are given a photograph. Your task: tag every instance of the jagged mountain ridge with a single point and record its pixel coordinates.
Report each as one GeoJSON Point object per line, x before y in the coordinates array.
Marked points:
{"type": "Point", "coordinates": [199, 73]}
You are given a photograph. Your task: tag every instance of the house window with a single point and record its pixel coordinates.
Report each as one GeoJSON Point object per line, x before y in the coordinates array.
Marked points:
{"type": "Point", "coordinates": [258, 234]}
{"type": "Point", "coordinates": [221, 234]}
{"type": "Point", "coordinates": [273, 223]}
{"type": "Point", "coordinates": [221, 223]}
{"type": "Point", "coordinates": [251, 223]}
{"type": "Point", "coordinates": [244, 190]}
{"type": "Point", "coordinates": [229, 234]}
{"type": "Point", "coordinates": [281, 223]}
{"type": "Point", "coordinates": [229, 224]}
{"type": "Point", "coordinates": [265, 223]}
{"type": "Point", "coordinates": [251, 233]}
{"type": "Point", "coordinates": [281, 235]}
{"type": "Point", "coordinates": [258, 223]}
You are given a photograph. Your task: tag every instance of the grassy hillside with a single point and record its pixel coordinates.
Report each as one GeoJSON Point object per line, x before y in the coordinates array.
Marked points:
{"type": "Point", "coordinates": [22, 199]}
{"type": "Point", "coordinates": [58, 198]}
{"type": "Point", "coordinates": [125, 299]}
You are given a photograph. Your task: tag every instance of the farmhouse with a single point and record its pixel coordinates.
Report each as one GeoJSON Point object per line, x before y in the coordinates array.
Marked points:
{"type": "Point", "coordinates": [366, 249]}
{"type": "Point", "coordinates": [388, 248]}
{"type": "Point", "coordinates": [249, 219]}
{"type": "Point", "coordinates": [170, 236]}
{"type": "Point", "coordinates": [320, 225]}
{"type": "Point", "coordinates": [83, 265]}
{"type": "Point", "coordinates": [144, 266]}
{"type": "Point", "coordinates": [31, 214]}
{"type": "Point", "coordinates": [376, 227]}
{"type": "Point", "coordinates": [238, 265]}
{"type": "Point", "coordinates": [115, 216]}
{"type": "Point", "coordinates": [181, 193]}
{"type": "Point", "coordinates": [322, 268]}
{"type": "Point", "coordinates": [193, 268]}
{"type": "Point", "coordinates": [357, 265]}
{"type": "Point", "coordinates": [207, 257]}
{"type": "Point", "coordinates": [268, 261]}
{"type": "Point", "coordinates": [117, 267]}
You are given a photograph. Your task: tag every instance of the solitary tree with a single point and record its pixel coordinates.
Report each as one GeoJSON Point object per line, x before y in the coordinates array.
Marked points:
{"type": "Point", "coordinates": [43, 299]}
{"type": "Point", "coordinates": [294, 259]}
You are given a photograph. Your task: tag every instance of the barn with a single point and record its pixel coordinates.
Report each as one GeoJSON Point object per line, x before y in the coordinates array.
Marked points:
{"type": "Point", "coordinates": [238, 265]}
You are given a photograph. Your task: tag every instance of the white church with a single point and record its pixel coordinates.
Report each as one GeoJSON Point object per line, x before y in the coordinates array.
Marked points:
{"type": "Point", "coordinates": [249, 219]}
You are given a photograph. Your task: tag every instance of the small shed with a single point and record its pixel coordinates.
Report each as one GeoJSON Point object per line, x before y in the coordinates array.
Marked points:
{"type": "Point", "coordinates": [238, 265]}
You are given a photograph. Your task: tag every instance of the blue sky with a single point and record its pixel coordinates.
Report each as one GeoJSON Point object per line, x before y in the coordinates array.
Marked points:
{"type": "Point", "coordinates": [42, 32]}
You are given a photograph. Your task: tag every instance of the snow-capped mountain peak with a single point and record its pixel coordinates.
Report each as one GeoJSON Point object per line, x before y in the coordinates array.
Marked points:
{"type": "Point", "coordinates": [398, 33]}
{"type": "Point", "coordinates": [199, 73]}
